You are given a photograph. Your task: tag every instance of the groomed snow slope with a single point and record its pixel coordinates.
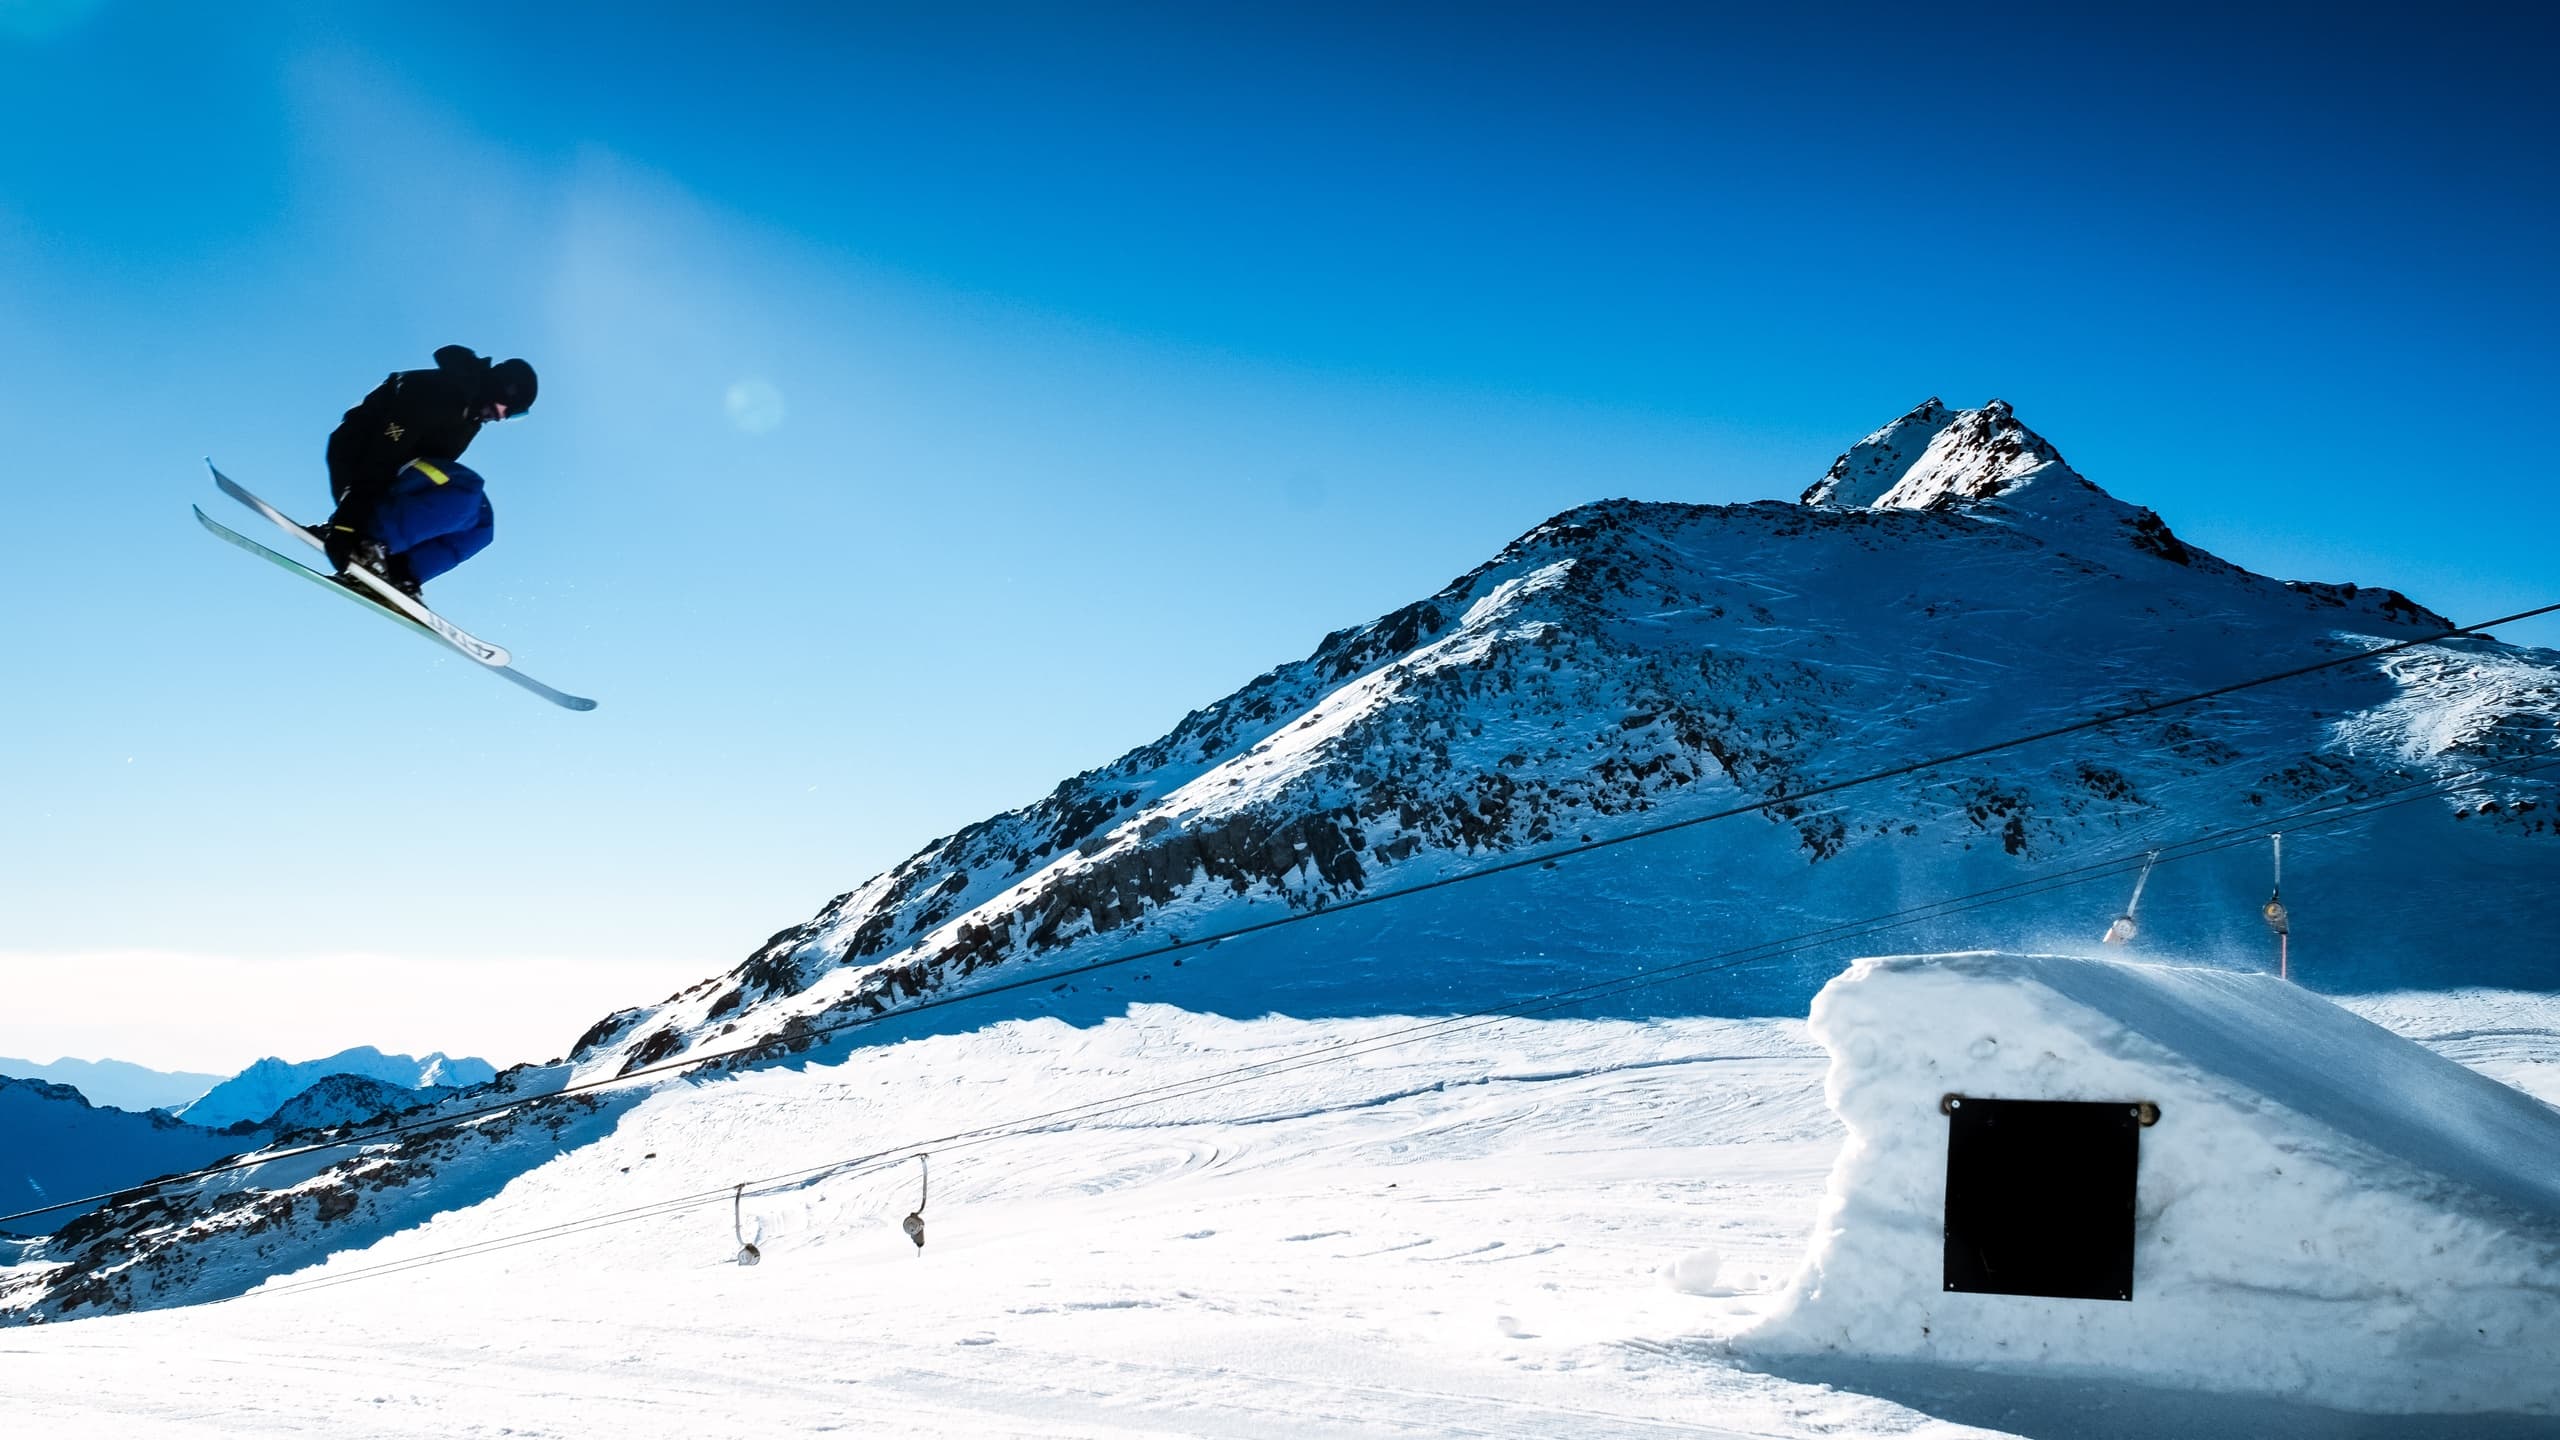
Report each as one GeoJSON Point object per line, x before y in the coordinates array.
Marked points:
{"type": "Point", "coordinates": [1460, 1237]}
{"type": "Point", "coordinates": [1537, 1229]}
{"type": "Point", "coordinates": [2325, 1211]}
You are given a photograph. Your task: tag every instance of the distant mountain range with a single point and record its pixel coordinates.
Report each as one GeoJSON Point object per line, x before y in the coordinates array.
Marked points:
{"type": "Point", "coordinates": [55, 1144]}
{"type": "Point", "coordinates": [116, 1083]}
{"type": "Point", "coordinates": [261, 1090]}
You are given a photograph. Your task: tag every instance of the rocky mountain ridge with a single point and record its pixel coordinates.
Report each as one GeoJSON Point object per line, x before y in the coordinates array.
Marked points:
{"type": "Point", "coordinates": [56, 1145]}
{"type": "Point", "coordinates": [1629, 661]}
{"type": "Point", "coordinates": [335, 1100]}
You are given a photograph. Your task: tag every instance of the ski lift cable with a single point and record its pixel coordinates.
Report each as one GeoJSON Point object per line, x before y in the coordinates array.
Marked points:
{"type": "Point", "coordinates": [848, 1169]}
{"type": "Point", "coordinates": [882, 1160]}
{"type": "Point", "coordinates": [1050, 977]}
{"type": "Point", "coordinates": [1607, 989]}
{"type": "Point", "coordinates": [654, 1209]}
{"type": "Point", "coordinates": [1627, 983]}
{"type": "Point", "coordinates": [389, 1132]}
{"type": "Point", "coordinates": [486, 1247]}
{"type": "Point", "coordinates": [1610, 987]}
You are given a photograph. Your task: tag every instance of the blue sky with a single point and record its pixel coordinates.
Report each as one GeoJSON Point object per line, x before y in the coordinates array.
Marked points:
{"type": "Point", "coordinates": [1087, 361]}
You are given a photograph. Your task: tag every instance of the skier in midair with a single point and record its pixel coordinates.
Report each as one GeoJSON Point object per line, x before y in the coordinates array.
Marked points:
{"type": "Point", "coordinates": [407, 510]}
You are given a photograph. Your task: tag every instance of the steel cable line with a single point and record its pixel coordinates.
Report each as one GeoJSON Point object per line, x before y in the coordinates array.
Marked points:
{"type": "Point", "coordinates": [1633, 981]}
{"type": "Point", "coordinates": [2309, 817]}
{"type": "Point", "coordinates": [881, 1161]}
{"type": "Point", "coordinates": [652, 1211]}
{"type": "Point", "coordinates": [785, 1045]}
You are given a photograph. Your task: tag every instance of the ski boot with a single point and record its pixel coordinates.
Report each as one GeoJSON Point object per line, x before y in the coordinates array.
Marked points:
{"type": "Point", "coordinates": [348, 553]}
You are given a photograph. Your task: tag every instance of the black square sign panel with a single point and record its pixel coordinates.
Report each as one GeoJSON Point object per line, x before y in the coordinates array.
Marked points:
{"type": "Point", "coordinates": [2040, 1196]}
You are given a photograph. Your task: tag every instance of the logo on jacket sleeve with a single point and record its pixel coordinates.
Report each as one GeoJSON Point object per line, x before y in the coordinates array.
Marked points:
{"type": "Point", "coordinates": [394, 430]}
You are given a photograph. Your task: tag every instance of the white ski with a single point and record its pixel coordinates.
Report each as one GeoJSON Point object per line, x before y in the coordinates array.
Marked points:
{"type": "Point", "coordinates": [326, 582]}
{"type": "Point", "coordinates": [406, 612]}
{"type": "Point", "coordinates": [383, 590]}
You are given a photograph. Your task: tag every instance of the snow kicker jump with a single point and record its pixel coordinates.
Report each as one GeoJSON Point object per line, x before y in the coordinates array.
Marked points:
{"type": "Point", "coordinates": [2324, 1213]}
{"type": "Point", "coordinates": [376, 595]}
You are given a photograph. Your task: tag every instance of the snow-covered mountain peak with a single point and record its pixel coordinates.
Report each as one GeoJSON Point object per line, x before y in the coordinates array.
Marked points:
{"type": "Point", "coordinates": [1935, 458]}
{"type": "Point", "coordinates": [1627, 661]}
{"type": "Point", "coordinates": [257, 1092]}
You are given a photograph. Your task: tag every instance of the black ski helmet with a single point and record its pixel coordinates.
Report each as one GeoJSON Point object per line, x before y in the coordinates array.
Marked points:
{"type": "Point", "coordinates": [510, 383]}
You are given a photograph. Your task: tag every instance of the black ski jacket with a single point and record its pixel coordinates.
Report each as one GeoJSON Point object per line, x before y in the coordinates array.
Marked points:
{"type": "Point", "coordinates": [412, 415]}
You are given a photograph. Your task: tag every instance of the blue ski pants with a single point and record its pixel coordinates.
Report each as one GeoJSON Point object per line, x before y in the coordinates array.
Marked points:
{"type": "Point", "coordinates": [434, 515]}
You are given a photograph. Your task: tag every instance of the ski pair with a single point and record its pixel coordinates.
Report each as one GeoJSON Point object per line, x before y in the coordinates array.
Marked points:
{"type": "Point", "coordinates": [379, 596]}
{"type": "Point", "coordinates": [383, 590]}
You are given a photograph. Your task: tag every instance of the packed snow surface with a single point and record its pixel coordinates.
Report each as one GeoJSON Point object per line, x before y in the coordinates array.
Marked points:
{"type": "Point", "coordinates": [2324, 1210]}
{"type": "Point", "coordinates": [1523, 1229]}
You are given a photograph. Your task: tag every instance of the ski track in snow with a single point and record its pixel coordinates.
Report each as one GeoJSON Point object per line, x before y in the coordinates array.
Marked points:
{"type": "Point", "coordinates": [1542, 1229]}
